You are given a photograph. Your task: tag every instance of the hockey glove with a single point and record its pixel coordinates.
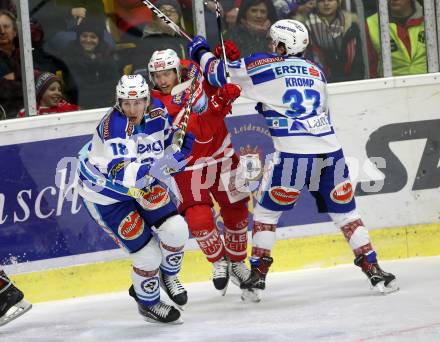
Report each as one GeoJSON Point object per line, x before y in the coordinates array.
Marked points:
{"type": "Point", "coordinates": [172, 160]}
{"type": "Point", "coordinates": [221, 102]}
{"type": "Point", "coordinates": [197, 47]}
{"type": "Point", "coordinates": [232, 51]}
{"type": "Point", "coordinates": [193, 70]}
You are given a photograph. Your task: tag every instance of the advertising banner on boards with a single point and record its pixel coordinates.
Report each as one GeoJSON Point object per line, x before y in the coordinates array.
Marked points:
{"type": "Point", "coordinates": [390, 139]}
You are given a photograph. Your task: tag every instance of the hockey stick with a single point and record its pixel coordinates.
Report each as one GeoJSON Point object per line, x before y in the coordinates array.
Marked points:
{"type": "Point", "coordinates": [220, 36]}
{"type": "Point", "coordinates": [180, 135]}
{"type": "Point", "coordinates": [178, 88]}
{"type": "Point", "coordinates": [167, 20]}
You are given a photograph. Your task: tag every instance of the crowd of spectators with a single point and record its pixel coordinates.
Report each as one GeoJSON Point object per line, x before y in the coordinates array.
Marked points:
{"type": "Point", "coordinates": [81, 47]}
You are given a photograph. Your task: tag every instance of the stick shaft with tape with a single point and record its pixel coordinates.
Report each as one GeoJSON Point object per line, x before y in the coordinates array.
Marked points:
{"type": "Point", "coordinates": [220, 36]}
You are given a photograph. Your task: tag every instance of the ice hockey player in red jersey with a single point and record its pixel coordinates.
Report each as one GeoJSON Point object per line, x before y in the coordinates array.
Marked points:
{"type": "Point", "coordinates": [212, 168]}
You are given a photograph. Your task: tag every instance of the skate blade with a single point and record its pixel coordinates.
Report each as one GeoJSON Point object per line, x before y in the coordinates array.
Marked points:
{"type": "Point", "coordinates": [223, 291]}
{"type": "Point", "coordinates": [251, 295]}
{"type": "Point", "coordinates": [15, 311]}
{"type": "Point", "coordinates": [382, 289]}
{"type": "Point", "coordinates": [152, 320]}
{"type": "Point", "coordinates": [235, 281]}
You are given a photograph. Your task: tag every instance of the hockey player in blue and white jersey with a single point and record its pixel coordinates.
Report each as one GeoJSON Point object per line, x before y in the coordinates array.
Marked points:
{"type": "Point", "coordinates": [123, 176]}
{"type": "Point", "coordinates": [291, 93]}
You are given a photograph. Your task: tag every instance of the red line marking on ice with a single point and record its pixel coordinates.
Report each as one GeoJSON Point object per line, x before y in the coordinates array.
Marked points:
{"type": "Point", "coordinates": [397, 332]}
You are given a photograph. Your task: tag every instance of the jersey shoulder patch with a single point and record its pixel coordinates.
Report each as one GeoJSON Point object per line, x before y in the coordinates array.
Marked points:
{"type": "Point", "coordinates": [258, 59]}
{"type": "Point", "coordinates": [319, 70]}
{"type": "Point", "coordinates": [156, 109]}
{"type": "Point", "coordinates": [114, 125]}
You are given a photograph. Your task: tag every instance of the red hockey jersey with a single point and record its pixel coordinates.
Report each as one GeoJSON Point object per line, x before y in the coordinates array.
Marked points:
{"type": "Point", "coordinates": [213, 141]}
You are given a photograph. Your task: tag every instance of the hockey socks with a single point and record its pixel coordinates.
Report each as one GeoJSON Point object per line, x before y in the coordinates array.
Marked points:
{"type": "Point", "coordinates": [201, 224]}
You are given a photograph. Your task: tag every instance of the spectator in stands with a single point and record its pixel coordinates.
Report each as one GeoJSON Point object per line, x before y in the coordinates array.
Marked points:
{"type": "Point", "coordinates": [47, 62]}
{"type": "Point", "coordinates": [49, 96]}
{"type": "Point", "coordinates": [59, 20]}
{"type": "Point", "coordinates": [229, 12]}
{"type": "Point", "coordinates": [291, 8]}
{"type": "Point", "coordinates": [92, 65]}
{"type": "Point", "coordinates": [253, 22]}
{"type": "Point", "coordinates": [158, 36]}
{"type": "Point", "coordinates": [335, 41]}
{"type": "Point", "coordinates": [11, 93]}
{"type": "Point", "coordinates": [407, 34]}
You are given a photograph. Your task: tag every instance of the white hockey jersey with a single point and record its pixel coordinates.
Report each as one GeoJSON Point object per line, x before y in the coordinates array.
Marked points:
{"type": "Point", "coordinates": [120, 155]}
{"type": "Point", "coordinates": [291, 93]}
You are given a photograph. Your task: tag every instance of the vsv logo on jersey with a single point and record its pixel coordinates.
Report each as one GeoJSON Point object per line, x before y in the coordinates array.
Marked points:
{"type": "Point", "coordinates": [150, 286]}
{"type": "Point", "coordinates": [155, 147]}
{"type": "Point", "coordinates": [131, 227]}
{"type": "Point", "coordinates": [342, 193]}
{"type": "Point", "coordinates": [174, 259]}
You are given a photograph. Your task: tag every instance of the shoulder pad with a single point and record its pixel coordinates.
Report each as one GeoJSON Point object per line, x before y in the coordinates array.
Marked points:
{"type": "Point", "coordinates": [319, 70]}
{"type": "Point", "coordinates": [114, 125]}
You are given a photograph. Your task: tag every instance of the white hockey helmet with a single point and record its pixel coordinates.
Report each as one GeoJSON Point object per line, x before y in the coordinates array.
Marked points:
{"type": "Point", "coordinates": [164, 60]}
{"type": "Point", "coordinates": [131, 87]}
{"type": "Point", "coordinates": [292, 33]}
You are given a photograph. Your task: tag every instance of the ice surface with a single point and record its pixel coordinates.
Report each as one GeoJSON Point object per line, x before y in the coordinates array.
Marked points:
{"type": "Point", "coordinates": [333, 304]}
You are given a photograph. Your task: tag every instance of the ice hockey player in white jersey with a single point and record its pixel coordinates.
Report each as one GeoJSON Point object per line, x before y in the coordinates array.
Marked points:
{"type": "Point", "coordinates": [12, 302]}
{"type": "Point", "coordinates": [123, 179]}
{"type": "Point", "coordinates": [291, 93]}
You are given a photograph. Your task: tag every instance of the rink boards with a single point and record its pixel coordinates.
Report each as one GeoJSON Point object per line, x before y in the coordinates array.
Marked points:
{"type": "Point", "coordinates": [55, 249]}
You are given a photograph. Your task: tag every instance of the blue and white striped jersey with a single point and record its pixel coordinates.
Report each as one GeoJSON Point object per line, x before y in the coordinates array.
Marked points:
{"type": "Point", "coordinates": [291, 93]}
{"type": "Point", "coordinates": [120, 154]}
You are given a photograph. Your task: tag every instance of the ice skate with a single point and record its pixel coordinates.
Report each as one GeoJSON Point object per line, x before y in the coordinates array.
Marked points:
{"type": "Point", "coordinates": [12, 302]}
{"type": "Point", "coordinates": [239, 272]}
{"type": "Point", "coordinates": [220, 275]}
{"type": "Point", "coordinates": [158, 313]}
{"type": "Point", "coordinates": [380, 280]}
{"type": "Point", "coordinates": [174, 289]}
{"type": "Point", "coordinates": [253, 287]}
